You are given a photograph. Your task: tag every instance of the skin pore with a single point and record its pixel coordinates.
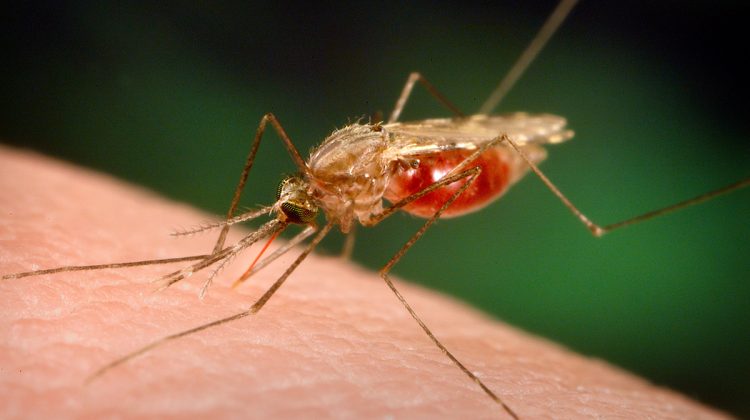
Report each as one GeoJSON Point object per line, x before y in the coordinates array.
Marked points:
{"type": "Point", "coordinates": [333, 342]}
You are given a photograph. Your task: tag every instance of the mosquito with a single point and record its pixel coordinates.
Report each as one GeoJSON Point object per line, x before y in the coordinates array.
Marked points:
{"type": "Point", "coordinates": [434, 168]}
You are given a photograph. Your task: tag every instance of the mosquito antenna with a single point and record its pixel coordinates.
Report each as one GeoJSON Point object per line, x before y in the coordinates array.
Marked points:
{"type": "Point", "coordinates": [519, 67]}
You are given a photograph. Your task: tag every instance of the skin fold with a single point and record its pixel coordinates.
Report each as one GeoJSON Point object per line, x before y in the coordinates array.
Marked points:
{"type": "Point", "coordinates": [333, 342]}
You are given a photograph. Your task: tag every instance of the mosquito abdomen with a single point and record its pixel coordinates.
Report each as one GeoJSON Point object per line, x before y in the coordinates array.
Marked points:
{"type": "Point", "coordinates": [500, 167]}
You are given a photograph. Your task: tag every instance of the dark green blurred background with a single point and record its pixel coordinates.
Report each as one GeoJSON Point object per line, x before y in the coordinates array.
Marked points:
{"type": "Point", "coordinates": [167, 96]}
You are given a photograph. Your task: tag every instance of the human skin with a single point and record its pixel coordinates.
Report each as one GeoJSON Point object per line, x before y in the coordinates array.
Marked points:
{"type": "Point", "coordinates": [333, 341]}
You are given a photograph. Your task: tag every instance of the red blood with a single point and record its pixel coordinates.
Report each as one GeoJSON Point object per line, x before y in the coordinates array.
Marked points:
{"type": "Point", "coordinates": [488, 186]}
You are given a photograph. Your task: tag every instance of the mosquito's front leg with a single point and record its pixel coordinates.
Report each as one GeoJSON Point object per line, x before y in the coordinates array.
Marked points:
{"type": "Point", "coordinates": [597, 230]}
{"type": "Point", "coordinates": [293, 152]}
{"type": "Point", "coordinates": [102, 266]}
{"type": "Point", "coordinates": [218, 250]}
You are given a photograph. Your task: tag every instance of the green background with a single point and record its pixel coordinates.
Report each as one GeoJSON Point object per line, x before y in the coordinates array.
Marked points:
{"type": "Point", "coordinates": [168, 95]}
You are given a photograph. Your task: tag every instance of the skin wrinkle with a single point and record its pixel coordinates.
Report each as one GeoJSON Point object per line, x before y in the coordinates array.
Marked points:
{"type": "Point", "coordinates": [334, 342]}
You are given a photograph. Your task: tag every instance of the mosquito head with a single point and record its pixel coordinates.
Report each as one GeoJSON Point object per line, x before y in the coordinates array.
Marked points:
{"type": "Point", "coordinates": [293, 202]}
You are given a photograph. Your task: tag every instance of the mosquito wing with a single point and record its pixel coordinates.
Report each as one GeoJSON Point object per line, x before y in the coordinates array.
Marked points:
{"type": "Point", "coordinates": [440, 134]}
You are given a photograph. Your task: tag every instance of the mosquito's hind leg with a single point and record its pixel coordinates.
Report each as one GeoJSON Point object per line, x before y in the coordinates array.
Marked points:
{"type": "Point", "coordinates": [413, 78]}
{"type": "Point", "coordinates": [519, 67]}
{"type": "Point", "coordinates": [598, 230]}
{"type": "Point", "coordinates": [536, 45]}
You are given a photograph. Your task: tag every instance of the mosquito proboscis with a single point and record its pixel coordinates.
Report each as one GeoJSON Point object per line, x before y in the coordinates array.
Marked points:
{"type": "Point", "coordinates": [430, 168]}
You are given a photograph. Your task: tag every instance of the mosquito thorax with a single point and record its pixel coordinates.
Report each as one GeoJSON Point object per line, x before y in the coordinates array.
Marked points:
{"type": "Point", "coordinates": [293, 202]}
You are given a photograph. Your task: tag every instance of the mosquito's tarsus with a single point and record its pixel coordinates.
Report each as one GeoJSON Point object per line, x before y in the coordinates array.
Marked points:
{"type": "Point", "coordinates": [597, 230]}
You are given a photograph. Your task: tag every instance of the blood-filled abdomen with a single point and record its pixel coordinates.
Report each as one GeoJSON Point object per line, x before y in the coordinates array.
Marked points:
{"type": "Point", "coordinates": [500, 166]}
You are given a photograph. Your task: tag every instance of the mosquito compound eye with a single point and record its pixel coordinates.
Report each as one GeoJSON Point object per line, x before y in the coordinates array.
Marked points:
{"type": "Point", "coordinates": [295, 203]}
{"type": "Point", "coordinates": [298, 213]}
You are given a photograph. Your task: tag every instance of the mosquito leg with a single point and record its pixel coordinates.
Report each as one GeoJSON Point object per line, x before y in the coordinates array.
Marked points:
{"type": "Point", "coordinates": [470, 175]}
{"type": "Point", "coordinates": [101, 266]}
{"type": "Point", "coordinates": [375, 219]}
{"type": "Point", "coordinates": [267, 229]}
{"type": "Point", "coordinates": [257, 306]}
{"type": "Point", "coordinates": [406, 93]}
{"type": "Point", "coordinates": [237, 219]}
{"type": "Point", "coordinates": [597, 230]}
{"type": "Point", "coordinates": [452, 176]}
{"type": "Point", "coordinates": [464, 369]}
{"type": "Point", "coordinates": [169, 279]}
{"type": "Point", "coordinates": [243, 217]}
{"type": "Point", "coordinates": [348, 249]}
{"type": "Point", "coordinates": [293, 152]}
{"type": "Point", "coordinates": [519, 67]}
